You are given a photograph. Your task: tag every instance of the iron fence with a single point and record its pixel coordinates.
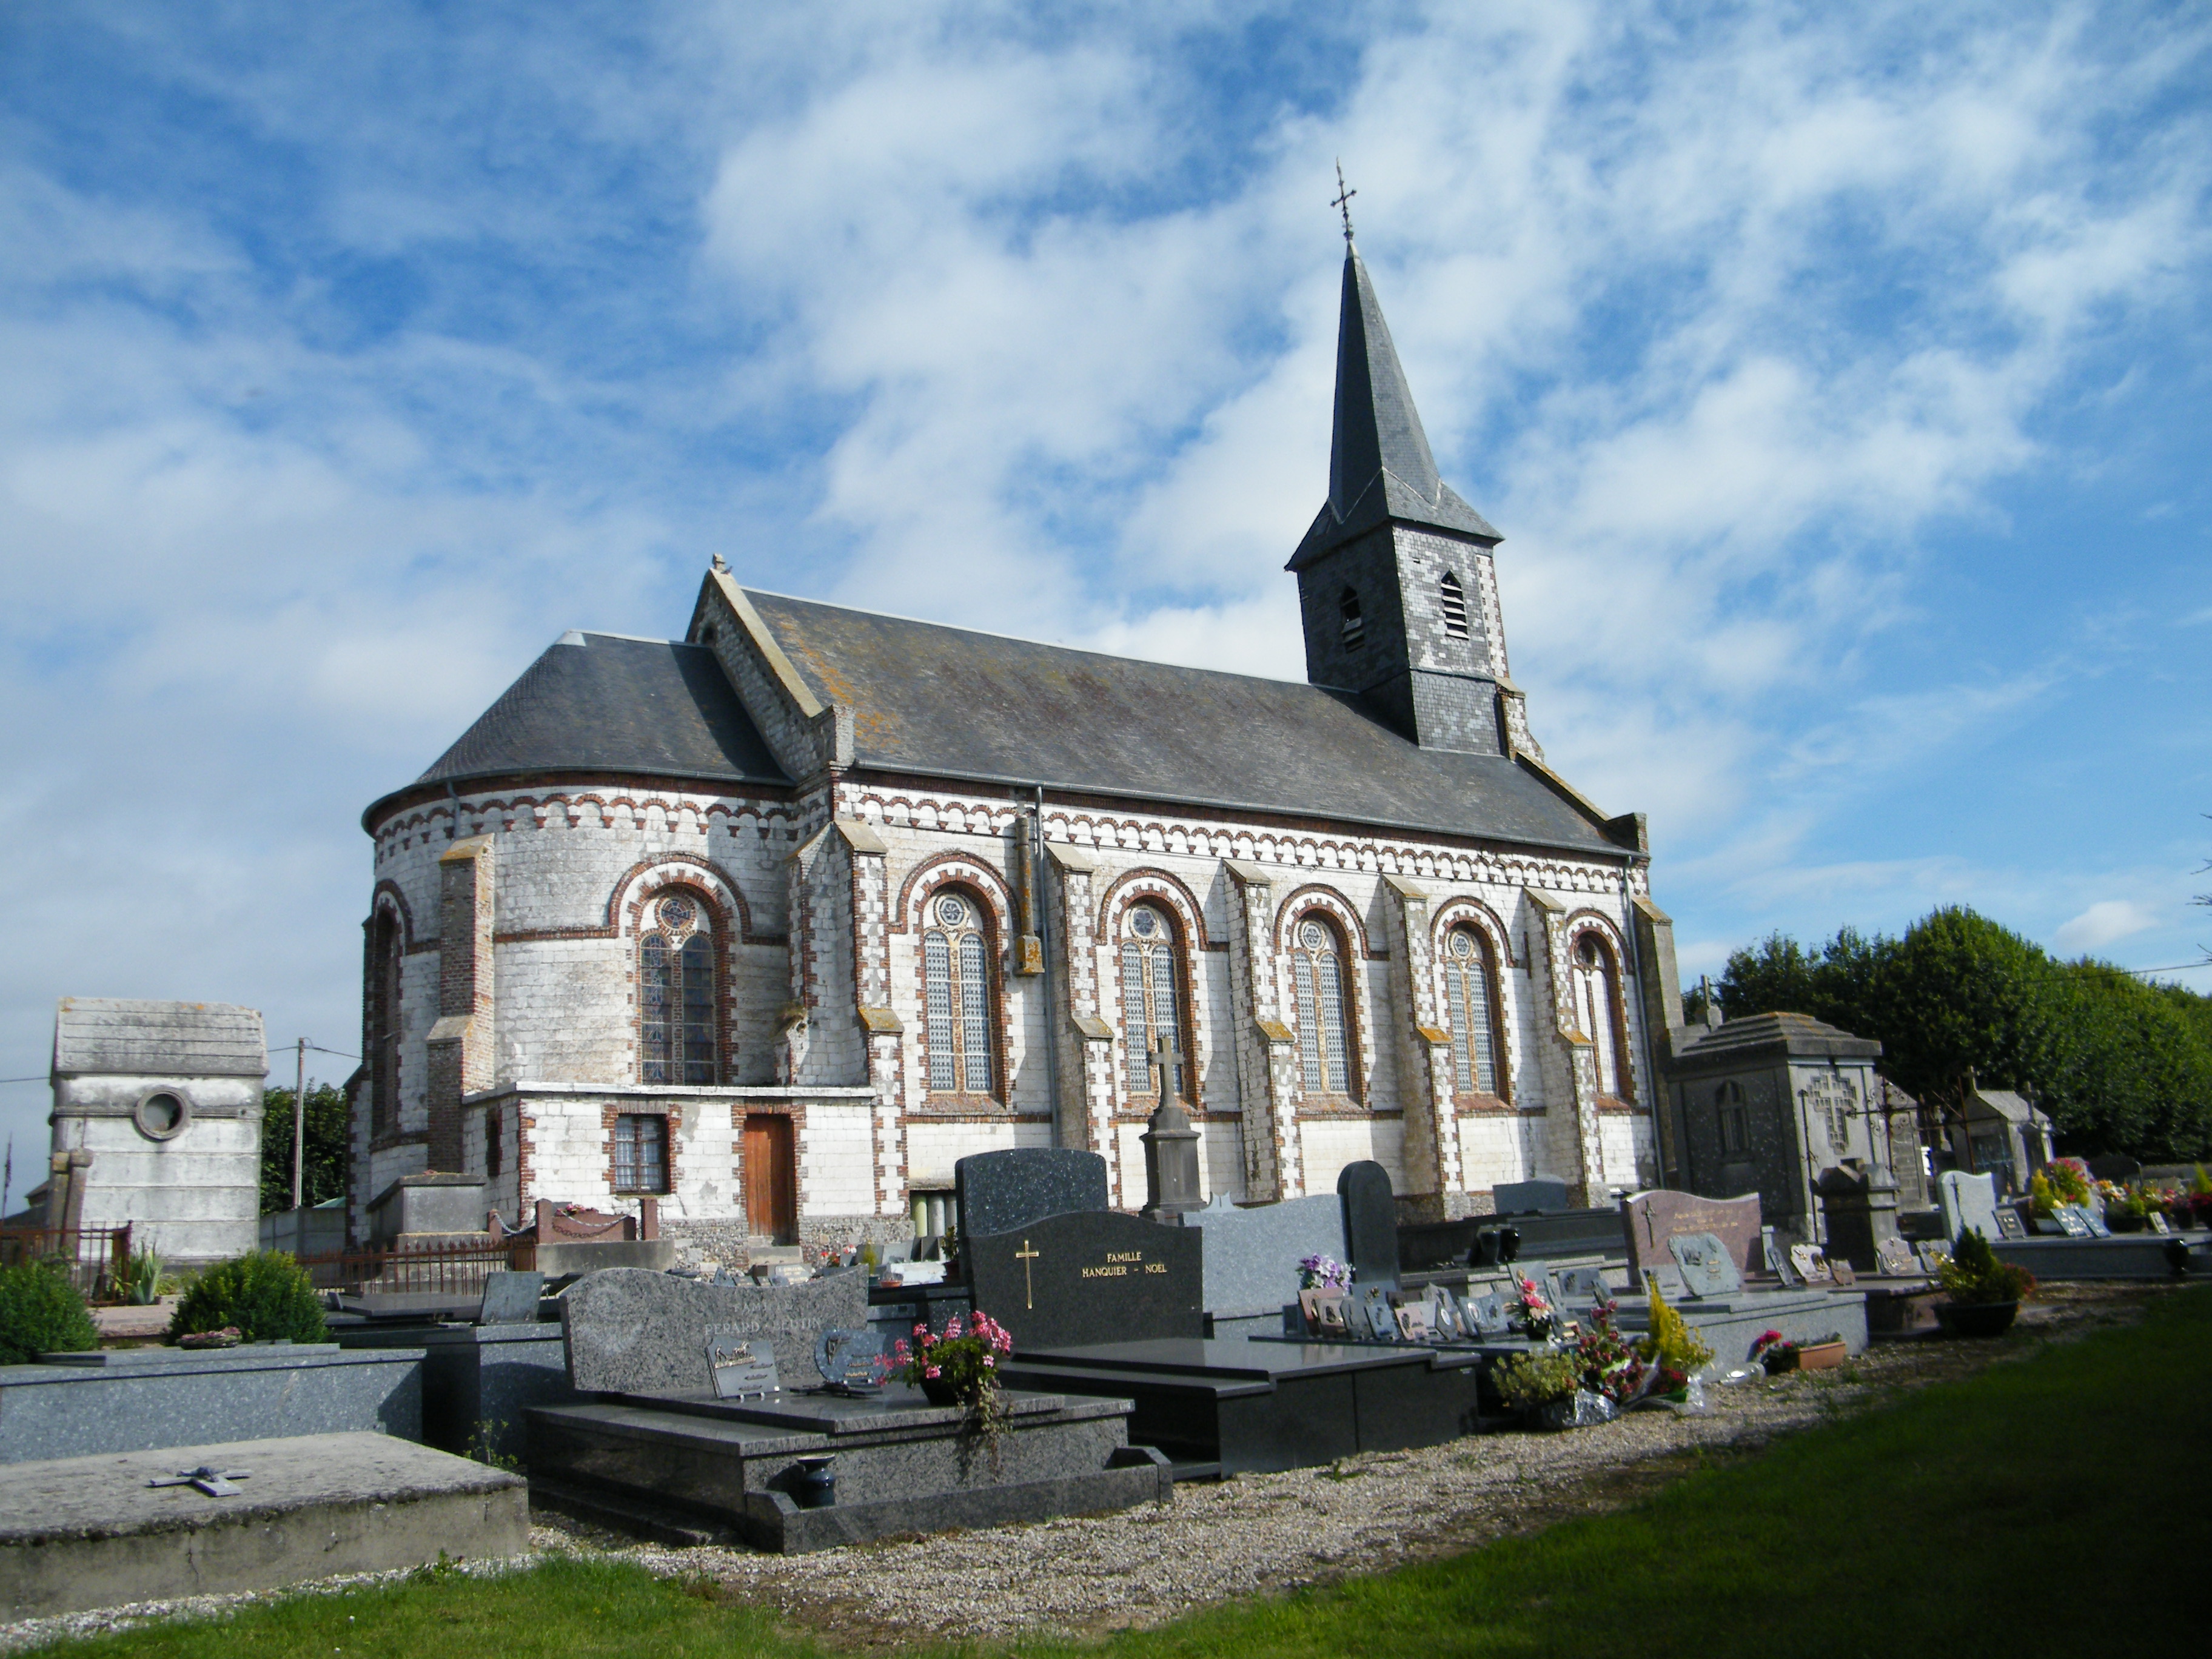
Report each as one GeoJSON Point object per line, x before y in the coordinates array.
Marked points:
{"type": "Point", "coordinates": [96, 1257]}
{"type": "Point", "coordinates": [431, 1269]}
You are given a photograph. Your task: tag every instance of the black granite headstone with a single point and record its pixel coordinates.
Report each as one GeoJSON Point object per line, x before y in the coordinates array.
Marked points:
{"type": "Point", "coordinates": [998, 1192]}
{"type": "Point", "coordinates": [1537, 1197]}
{"type": "Point", "coordinates": [1370, 1222]}
{"type": "Point", "coordinates": [511, 1299]}
{"type": "Point", "coordinates": [1078, 1279]}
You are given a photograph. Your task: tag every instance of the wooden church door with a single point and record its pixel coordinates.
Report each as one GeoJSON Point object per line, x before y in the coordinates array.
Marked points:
{"type": "Point", "coordinates": [771, 1173]}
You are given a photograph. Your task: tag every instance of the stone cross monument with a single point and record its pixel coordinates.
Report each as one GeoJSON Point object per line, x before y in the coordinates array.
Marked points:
{"type": "Point", "coordinates": [1170, 1144]}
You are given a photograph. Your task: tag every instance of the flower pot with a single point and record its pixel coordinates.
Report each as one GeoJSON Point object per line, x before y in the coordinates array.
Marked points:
{"type": "Point", "coordinates": [1822, 1356]}
{"type": "Point", "coordinates": [940, 1391]}
{"type": "Point", "coordinates": [1551, 1414]}
{"type": "Point", "coordinates": [2125, 1224]}
{"type": "Point", "coordinates": [1976, 1318]}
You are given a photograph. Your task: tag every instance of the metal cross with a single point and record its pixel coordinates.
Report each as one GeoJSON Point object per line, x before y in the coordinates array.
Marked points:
{"type": "Point", "coordinates": [1167, 1060]}
{"type": "Point", "coordinates": [215, 1482]}
{"type": "Point", "coordinates": [1025, 1255]}
{"type": "Point", "coordinates": [1343, 202]}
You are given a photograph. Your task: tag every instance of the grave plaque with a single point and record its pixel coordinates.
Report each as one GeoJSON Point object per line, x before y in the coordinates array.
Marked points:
{"type": "Point", "coordinates": [631, 1331]}
{"type": "Point", "coordinates": [1370, 1222]}
{"type": "Point", "coordinates": [2072, 1221]}
{"type": "Point", "coordinates": [997, 1192]}
{"type": "Point", "coordinates": [1811, 1262]}
{"type": "Point", "coordinates": [1842, 1272]}
{"type": "Point", "coordinates": [737, 1371]}
{"type": "Point", "coordinates": [1324, 1312]}
{"type": "Point", "coordinates": [1897, 1258]}
{"type": "Point", "coordinates": [1777, 1260]}
{"type": "Point", "coordinates": [511, 1299]}
{"type": "Point", "coordinates": [2009, 1223]}
{"type": "Point", "coordinates": [1707, 1267]}
{"type": "Point", "coordinates": [1493, 1314]}
{"type": "Point", "coordinates": [1444, 1315]}
{"type": "Point", "coordinates": [1650, 1219]}
{"type": "Point", "coordinates": [1078, 1279]}
{"type": "Point", "coordinates": [1375, 1319]}
{"type": "Point", "coordinates": [1537, 1197]}
{"type": "Point", "coordinates": [1967, 1201]}
{"type": "Point", "coordinates": [1582, 1286]}
{"type": "Point", "coordinates": [1933, 1257]}
{"type": "Point", "coordinates": [2094, 1218]}
{"type": "Point", "coordinates": [1414, 1322]}
{"type": "Point", "coordinates": [2157, 1223]}
{"type": "Point", "coordinates": [852, 1362]}
{"type": "Point", "coordinates": [1666, 1282]}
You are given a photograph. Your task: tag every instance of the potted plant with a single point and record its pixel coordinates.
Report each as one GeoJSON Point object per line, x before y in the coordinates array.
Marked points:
{"type": "Point", "coordinates": [1982, 1293]}
{"type": "Point", "coordinates": [1775, 1352]}
{"type": "Point", "coordinates": [2128, 1212]}
{"type": "Point", "coordinates": [1830, 1352]}
{"type": "Point", "coordinates": [1671, 1350]}
{"type": "Point", "coordinates": [958, 1366]}
{"type": "Point", "coordinates": [1535, 1314]}
{"type": "Point", "coordinates": [1542, 1386]}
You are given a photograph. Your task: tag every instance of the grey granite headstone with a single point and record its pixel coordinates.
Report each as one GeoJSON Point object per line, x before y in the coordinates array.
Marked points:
{"type": "Point", "coordinates": [1370, 1222]}
{"type": "Point", "coordinates": [511, 1299]}
{"type": "Point", "coordinates": [1967, 1201]}
{"type": "Point", "coordinates": [1707, 1266]}
{"type": "Point", "coordinates": [997, 1192]}
{"type": "Point", "coordinates": [1086, 1278]}
{"type": "Point", "coordinates": [629, 1331]}
{"type": "Point", "coordinates": [1252, 1255]}
{"type": "Point", "coordinates": [1537, 1197]}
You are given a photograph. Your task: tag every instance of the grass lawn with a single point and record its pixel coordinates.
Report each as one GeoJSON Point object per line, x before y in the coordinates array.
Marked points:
{"type": "Point", "coordinates": [2057, 1504]}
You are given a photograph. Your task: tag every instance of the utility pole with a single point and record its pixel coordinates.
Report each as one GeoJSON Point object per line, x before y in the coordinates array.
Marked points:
{"type": "Point", "coordinates": [300, 1155]}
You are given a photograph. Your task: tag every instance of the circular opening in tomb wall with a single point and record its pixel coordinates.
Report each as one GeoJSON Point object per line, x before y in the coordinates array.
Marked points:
{"type": "Point", "coordinates": [161, 1115]}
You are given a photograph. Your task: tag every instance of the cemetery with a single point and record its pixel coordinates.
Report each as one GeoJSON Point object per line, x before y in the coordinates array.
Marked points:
{"type": "Point", "coordinates": [1047, 1355]}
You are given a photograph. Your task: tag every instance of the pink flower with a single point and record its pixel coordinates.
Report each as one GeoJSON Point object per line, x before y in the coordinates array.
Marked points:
{"type": "Point", "coordinates": [988, 1362]}
{"type": "Point", "coordinates": [929, 1371]}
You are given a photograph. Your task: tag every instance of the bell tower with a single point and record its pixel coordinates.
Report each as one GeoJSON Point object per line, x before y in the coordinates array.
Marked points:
{"type": "Point", "coordinates": [1396, 583]}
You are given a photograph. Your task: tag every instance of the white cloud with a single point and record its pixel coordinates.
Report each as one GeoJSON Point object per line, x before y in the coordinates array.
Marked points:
{"type": "Point", "coordinates": [2104, 922]}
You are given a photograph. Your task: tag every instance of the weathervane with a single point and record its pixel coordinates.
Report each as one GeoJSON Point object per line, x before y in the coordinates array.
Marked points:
{"type": "Point", "coordinates": [1343, 202]}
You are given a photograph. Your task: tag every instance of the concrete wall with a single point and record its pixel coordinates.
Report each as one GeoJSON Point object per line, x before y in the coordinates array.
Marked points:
{"type": "Point", "coordinates": [194, 1197]}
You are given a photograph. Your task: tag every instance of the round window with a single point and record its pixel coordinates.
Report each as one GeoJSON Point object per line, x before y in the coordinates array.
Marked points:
{"type": "Point", "coordinates": [161, 1115]}
{"type": "Point", "coordinates": [677, 914]}
{"type": "Point", "coordinates": [1462, 946]}
{"type": "Point", "coordinates": [1144, 924]}
{"type": "Point", "coordinates": [952, 911]}
{"type": "Point", "coordinates": [1314, 936]}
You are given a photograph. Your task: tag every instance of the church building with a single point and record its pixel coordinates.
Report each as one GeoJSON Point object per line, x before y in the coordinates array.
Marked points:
{"type": "Point", "coordinates": [774, 923]}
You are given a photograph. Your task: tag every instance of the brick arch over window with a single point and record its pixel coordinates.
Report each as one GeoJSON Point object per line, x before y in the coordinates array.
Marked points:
{"type": "Point", "coordinates": [932, 874]}
{"type": "Point", "coordinates": [646, 878]}
{"type": "Point", "coordinates": [387, 892]}
{"type": "Point", "coordinates": [1186, 922]}
{"type": "Point", "coordinates": [1333, 1058]}
{"type": "Point", "coordinates": [1597, 993]}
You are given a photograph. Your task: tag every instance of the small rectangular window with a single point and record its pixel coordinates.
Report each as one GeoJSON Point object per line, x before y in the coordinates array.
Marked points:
{"type": "Point", "coordinates": [640, 1152]}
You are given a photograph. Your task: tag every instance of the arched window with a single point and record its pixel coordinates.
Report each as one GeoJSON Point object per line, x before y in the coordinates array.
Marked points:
{"type": "Point", "coordinates": [1736, 1127]}
{"type": "Point", "coordinates": [1152, 999]}
{"type": "Point", "coordinates": [1355, 629]}
{"type": "Point", "coordinates": [1597, 1011]}
{"type": "Point", "coordinates": [956, 974]}
{"type": "Point", "coordinates": [388, 958]}
{"type": "Point", "coordinates": [1471, 1006]}
{"type": "Point", "coordinates": [1320, 980]}
{"type": "Point", "coordinates": [676, 995]}
{"type": "Point", "coordinates": [1454, 604]}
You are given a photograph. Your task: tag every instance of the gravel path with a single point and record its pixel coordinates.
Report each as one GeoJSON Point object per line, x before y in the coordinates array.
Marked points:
{"type": "Point", "coordinates": [1257, 1533]}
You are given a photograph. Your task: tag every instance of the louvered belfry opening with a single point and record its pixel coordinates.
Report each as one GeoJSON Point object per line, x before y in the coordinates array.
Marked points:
{"type": "Point", "coordinates": [1455, 605]}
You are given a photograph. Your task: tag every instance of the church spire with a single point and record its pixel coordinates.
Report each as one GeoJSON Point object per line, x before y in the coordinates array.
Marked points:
{"type": "Point", "coordinates": [1380, 466]}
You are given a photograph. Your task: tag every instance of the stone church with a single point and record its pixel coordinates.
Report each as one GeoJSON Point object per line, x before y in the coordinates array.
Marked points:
{"type": "Point", "coordinates": [776, 922]}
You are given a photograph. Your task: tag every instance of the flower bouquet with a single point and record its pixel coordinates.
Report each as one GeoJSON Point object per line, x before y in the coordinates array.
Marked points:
{"type": "Point", "coordinates": [1535, 1314]}
{"type": "Point", "coordinates": [1323, 1273]}
{"type": "Point", "coordinates": [1609, 1365]}
{"type": "Point", "coordinates": [1775, 1352]}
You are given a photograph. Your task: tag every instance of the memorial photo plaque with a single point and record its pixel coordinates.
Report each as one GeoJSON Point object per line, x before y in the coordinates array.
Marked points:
{"type": "Point", "coordinates": [1897, 1258]}
{"type": "Point", "coordinates": [2010, 1225]}
{"type": "Point", "coordinates": [740, 1371]}
{"type": "Point", "coordinates": [1811, 1263]}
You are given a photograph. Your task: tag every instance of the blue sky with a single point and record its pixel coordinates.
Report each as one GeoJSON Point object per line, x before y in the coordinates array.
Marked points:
{"type": "Point", "coordinates": [1838, 376]}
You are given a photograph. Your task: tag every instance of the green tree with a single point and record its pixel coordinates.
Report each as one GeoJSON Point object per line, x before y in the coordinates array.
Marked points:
{"type": "Point", "coordinates": [1774, 976]}
{"type": "Point", "coordinates": [1959, 993]}
{"type": "Point", "coordinates": [323, 1175]}
{"type": "Point", "coordinates": [2140, 1076]}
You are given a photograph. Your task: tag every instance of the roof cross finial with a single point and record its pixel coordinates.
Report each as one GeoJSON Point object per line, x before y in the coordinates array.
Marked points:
{"type": "Point", "coordinates": [1343, 202]}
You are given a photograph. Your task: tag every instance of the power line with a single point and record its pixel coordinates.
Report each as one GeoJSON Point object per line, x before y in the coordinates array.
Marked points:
{"type": "Point", "coordinates": [43, 1078]}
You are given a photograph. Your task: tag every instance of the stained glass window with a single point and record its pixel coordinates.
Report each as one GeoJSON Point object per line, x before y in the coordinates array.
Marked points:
{"type": "Point", "coordinates": [1151, 1002]}
{"type": "Point", "coordinates": [1470, 1010]}
{"type": "Point", "coordinates": [957, 994]}
{"type": "Point", "coordinates": [1597, 1011]}
{"type": "Point", "coordinates": [676, 997]}
{"type": "Point", "coordinates": [1317, 983]}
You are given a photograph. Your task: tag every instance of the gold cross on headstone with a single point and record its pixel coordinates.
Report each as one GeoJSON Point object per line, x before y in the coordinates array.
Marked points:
{"type": "Point", "coordinates": [1025, 1255]}
{"type": "Point", "coordinates": [1166, 1059]}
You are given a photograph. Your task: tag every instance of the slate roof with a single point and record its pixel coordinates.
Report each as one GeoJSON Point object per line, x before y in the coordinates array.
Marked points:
{"type": "Point", "coordinates": [116, 1035]}
{"type": "Point", "coordinates": [1380, 466]}
{"type": "Point", "coordinates": [1793, 1034]}
{"type": "Point", "coordinates": [604, 702]}
{"type": "Point", "coordinates": [948, 703]}
{"type": "Point", "coordinates": [2005, 1104]}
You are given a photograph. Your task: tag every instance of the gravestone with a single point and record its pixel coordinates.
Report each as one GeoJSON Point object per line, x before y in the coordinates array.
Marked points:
{"type": "Point", "coordinates": [997, 1192]}
{"type": "Point", "coordinates": [1171, 1178]}
{"type": "Point", "coordinates": [1967, 1201]}
{"type": "Point", "coordinates": [1653, 1218]}
{"type": "Point", "coordinates": [1707, 1267]}
{"type": "Point", "coordinates": [629, 1331]}
{"type": "Point", "coordinates": [1539, 1197]}
{"type": "Point", "coordinates": [511, 1299]}
{"type": "Point", "coordinates": [1370, 1222]}
{"type": "Point", "coordinates": [1898, 1259]}
{"type": "Point", "coordinates": [1860, 1207]}
{"type": "Point", "coordinates": [1252, 1255]}
{"type": "Point", "coordinates": [1083, 1278]}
